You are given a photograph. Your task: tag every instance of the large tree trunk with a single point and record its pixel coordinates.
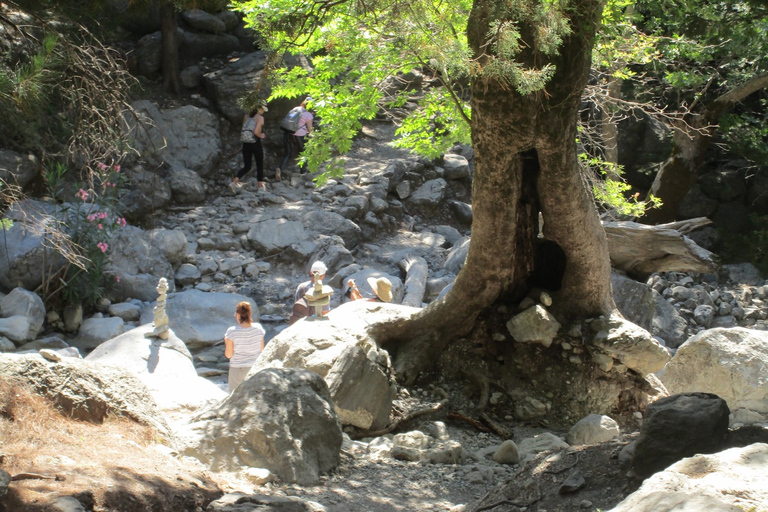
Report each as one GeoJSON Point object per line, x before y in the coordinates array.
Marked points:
{"type": "Point", "coordinates": [680, 171]}
{"type": "Point", "coordinates": [170, 48]}
{"type": "Point", "coordinates": [525, 164]}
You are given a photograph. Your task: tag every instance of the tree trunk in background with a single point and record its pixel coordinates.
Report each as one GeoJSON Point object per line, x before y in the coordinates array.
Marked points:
{"type": "Point", "coordinates": [525, 164]}
{"type": "Point", "coordinates": [170, 48]}
{"type": "Point", "coordinates": [679, 172]}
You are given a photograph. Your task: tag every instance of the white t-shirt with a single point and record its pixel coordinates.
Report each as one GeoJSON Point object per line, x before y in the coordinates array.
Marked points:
{"type": "Point", "coordinates": [247, 344]}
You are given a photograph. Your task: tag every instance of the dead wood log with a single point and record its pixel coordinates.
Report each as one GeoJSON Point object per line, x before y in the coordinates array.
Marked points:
{"type": "Point", "coordinates": [416, 270]}
{"type": "Point", "coordinates": [640, 250]}
{"type": "Point", "coordinates": [500, 430]}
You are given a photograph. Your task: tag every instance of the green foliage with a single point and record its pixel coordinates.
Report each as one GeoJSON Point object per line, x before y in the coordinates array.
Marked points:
{"type": "Point", "coordinates": [611, 192]}
{"type": "Point", "coordinates": [26, 96]}
{"type": "Point", "coordinates": [749, 247]}
{"type": "Point", "coordinates": [90, 219]}
{"type": "Point", "coordinates": [356, 47]}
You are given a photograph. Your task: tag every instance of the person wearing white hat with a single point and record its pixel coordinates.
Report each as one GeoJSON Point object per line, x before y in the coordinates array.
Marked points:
{"type": "Point", "coordinates": [320, 269]}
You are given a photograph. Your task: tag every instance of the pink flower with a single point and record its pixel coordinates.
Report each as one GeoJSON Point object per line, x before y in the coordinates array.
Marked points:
{"type": "Point", "coordinates": [102, 166]}
{"type": "Point", "coordinates": [102, 245]}
{"type": "Point", "coordinates": [82, 194]}
{"type": "Point", "coordinates": [117, 168]}
{"type": "Point", "coordinates": [100, 227]}
{"type": "Point", "coordinates": [117, 279]}
{"type": "Point", "coordinates": [102, 215]}
{"type": "Point", "coordinates": [121, 222]}
{"type": "Point", "coordinates": [92, 217]}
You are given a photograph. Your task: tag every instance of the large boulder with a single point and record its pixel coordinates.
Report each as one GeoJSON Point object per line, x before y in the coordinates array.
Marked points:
{"type": "Point", "coordinates": [145, 193]}
{"type": "Point", "coordinates": [731, 363]}
{"type": "Point", "coordinates": [317, 345]}
{"type": "Point", "coordinates": [668, 324]}
{"type": "Point", "coordinates": [225, 85]}
{"type": "Point", "coordinates": [18, 169]}
{"type": "Point", "coordinates": [200, 319]}
{"type": "Point", "coordinates": [17, 329]}
{"type": "Point", "coordinates": [430, 194]}
{"type": "Point", "coordinates": [634, 300]}
{"type": "Point", "coordinates": [278, 419]}
{"type": "Point", "coordinates": [85, 391]}
{"type": "Point", "coordinates": [95, 331]}
{"type": "Point", "coordinates": [275, 231]}
{"type": "Point", "coordinates": [196, 45]}
{"type": "Point", "coordinates": [140, 258]}
{"type": "Point", "coordinates": [362, 386]}
{"type": "Point", "coordinates": [187, 187]}
{"type": "Point", "coordinates": [201, 20]}
{"type": "Point", "coordinates": [631, 345]}
{"type": "Point", "coordinates": [679, 426]}
{"type": "Point", "coordinates": [164, 366]}
{"type": "Point", "coordinates": [183, 138]}
{"type": "Point", "coordinates": [729, 481]}
{"type": "Point", "coordinates": [25, 303]}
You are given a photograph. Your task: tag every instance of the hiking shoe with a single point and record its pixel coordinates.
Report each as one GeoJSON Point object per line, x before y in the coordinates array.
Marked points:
{"type": "Point", "coordinates": [232, 187]}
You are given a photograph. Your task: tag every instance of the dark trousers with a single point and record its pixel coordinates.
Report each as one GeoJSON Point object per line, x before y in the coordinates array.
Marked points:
{"type": "Point", "coordinates": [251, 150]}
{"type": "Point", "coordinates": [291, 144]}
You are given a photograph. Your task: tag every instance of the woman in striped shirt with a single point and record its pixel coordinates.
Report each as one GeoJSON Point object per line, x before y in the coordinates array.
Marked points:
{"type": "Point", "coordinates": [243, 344]}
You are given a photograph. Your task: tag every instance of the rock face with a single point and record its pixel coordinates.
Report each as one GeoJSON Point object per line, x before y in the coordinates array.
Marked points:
{"type": "Point", "coordinates": [18, 169]}
{"type": "Point", "coordinates": [183, 138]}
{"type": "Point", "coordinates": [85, 391]}
{"type": "Point", "coordinates": [730, 481]}
{"type": "Point", "coordinates": [200, 319]}
{"type": "Point", "coordinates": [140, 258]}
{"type": "Point", "coordinates": [228, 84]}
{"type": "Point", "coordinates": [732, 363]}
{"type": "Point", "coordinates": [679, 426]}
{"type": "Point", "coordinates": [339, 349]}
{"type": "Point", "coordinates": [164, 366]}
{"type": "Point", "coordinates": [279, 419]}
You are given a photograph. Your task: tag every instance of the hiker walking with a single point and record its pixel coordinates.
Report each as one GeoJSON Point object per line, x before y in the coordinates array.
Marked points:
{"type": "Point", "coordinates": [296, 126]}
{"type": "Point", "coordinates": [250, 135]}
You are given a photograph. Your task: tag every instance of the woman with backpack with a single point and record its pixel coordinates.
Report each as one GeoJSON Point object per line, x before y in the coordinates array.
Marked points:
{"type": "Point", "coordinates": [295, 126]}
{"type": "Point", "coordinates": [250, 135]}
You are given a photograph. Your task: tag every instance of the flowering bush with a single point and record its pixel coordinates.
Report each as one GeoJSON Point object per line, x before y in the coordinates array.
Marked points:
{"type": "Point", "coordinates": [90, 219]}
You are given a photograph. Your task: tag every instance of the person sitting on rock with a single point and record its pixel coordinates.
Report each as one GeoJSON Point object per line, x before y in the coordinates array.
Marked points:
{"type": "Point", "coordinates": [319, 268]}
{"type": "Point", "coordinates": [381, 286]}
{"type": "Point", "coordinates": [243, 344]}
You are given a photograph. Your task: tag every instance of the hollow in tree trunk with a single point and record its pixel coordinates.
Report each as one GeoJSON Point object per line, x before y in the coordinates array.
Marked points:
{"type": "Point", "coordinates": [525, 165]}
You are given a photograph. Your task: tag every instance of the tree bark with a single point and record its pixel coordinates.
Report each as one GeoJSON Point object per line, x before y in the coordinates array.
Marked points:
{"type": "Point", "coordinates": [170, 48]}
{"type": "Point", "coordinates": [525, 164]}
{"type": "Point", "coordinates": [680, 171]}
